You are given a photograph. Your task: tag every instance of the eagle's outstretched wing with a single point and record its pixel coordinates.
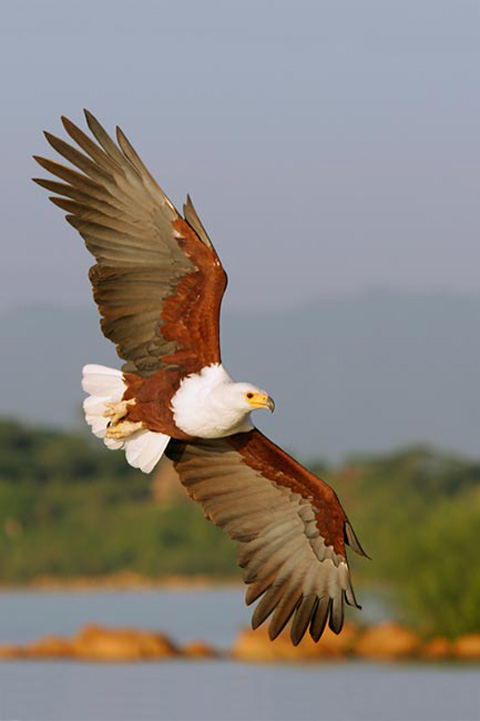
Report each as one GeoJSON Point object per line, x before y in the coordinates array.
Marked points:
{"type": "Point", "coordinates": [289, 525]}
{"type": "Point", "coordinates": [158, 281]}
{"type": "Point", "coordinates": [159, 285]}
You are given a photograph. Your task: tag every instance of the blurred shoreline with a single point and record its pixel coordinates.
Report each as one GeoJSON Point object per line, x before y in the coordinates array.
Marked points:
{"type": "Point", "coordinates": [123, 581]}
{"type": "Point", "coordinates": [128, 617]}
{"type": "Point", "coordinates": [380, 643]}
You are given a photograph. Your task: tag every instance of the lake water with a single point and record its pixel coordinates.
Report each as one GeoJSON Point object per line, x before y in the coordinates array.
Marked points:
{"type": "Point", "coordinates": [208, 690]}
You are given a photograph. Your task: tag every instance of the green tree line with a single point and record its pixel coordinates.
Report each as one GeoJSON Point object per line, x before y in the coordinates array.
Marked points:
{"type": "Point", "coordinates": [69, 507]}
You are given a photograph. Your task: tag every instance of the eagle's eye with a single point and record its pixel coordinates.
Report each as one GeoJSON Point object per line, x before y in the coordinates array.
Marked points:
{"type": "Point", "coordinates": [249, 395]}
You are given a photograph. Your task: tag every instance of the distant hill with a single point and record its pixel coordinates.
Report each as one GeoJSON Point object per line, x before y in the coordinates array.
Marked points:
{"type": "Point", "coordinates": [362, 372]}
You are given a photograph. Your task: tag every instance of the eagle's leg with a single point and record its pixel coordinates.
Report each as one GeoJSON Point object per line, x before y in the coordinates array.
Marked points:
{"type": "Point", "coordinates": [118, 426]}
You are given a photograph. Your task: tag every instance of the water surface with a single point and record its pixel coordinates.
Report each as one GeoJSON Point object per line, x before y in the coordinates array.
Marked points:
{"type": "Point", "coordinates": [178, 690]}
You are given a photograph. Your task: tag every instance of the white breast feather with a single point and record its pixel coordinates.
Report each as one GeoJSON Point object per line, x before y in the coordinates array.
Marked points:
{"type": "Point", "coordinates": [201, 406]}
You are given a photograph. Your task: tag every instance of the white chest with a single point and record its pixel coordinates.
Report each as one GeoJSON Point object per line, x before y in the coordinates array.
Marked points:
{"type": "Point", "coordinates": [202, 406]}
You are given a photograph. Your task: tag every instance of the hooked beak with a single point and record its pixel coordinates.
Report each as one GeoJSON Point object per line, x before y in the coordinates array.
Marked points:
{"type": "Point", "coordinates": [270, 404]}
{"type": "Point", "coordinates": [262, 400]}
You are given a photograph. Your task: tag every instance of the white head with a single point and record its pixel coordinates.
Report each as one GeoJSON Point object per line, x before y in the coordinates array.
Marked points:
{"type": "Point", "coordinates": [210, 404]}
{"type": "Point", "coordinates": [246, 397]}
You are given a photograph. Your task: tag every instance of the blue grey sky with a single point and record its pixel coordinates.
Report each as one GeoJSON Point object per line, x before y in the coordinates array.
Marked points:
{"type": "Point", "coordinates": [329, 146]}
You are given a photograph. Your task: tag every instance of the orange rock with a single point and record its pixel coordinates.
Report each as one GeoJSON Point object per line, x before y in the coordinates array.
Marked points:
{"type": "Point", "coordinates": [199, 649]}
{"type": "Point", "coordinates": [437, 648]}
{"type": "Point", "coordinates": [467, 647]}
{"type": "Point", "coordinates": [7, 652]}
{"type": "Point", "coordinates": [256, 646]}
{"type": "Point", "coordinates": [337, 645]}
{"type": "Point", "coordinates": [50, 647]}
{"type": "Point", "coordinates": [388, 641]}
{"type": "Point", "coordinates": [121, 644]}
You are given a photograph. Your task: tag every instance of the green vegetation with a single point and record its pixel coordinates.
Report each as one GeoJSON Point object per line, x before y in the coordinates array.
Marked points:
{"type": "Point", "coordinates": [417, 513]}
{"type": "Point", "coordinates": [68, 507]}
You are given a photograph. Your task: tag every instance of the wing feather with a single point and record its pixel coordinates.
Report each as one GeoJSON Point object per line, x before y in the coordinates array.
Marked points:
{"type": "Point", "coordinates": [104, 139]}
{"type": "Point", "coordinates": [159, 269]}
{"type": "Point", "coordinates": [288, 524]}
{"type": "Point", "coordinates": [303, 617]}
{"type": "Point", "coordinates": [320, 616]}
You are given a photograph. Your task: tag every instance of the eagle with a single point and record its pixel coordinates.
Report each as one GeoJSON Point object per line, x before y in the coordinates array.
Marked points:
{"type": "Point", "coordinates": [158, 284]}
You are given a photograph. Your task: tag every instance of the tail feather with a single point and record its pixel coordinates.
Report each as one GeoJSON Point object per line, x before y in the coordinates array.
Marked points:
{"type": "Point", "coordinates": [114, 444]}
{"type": "Point", "coordinates": [94, 407]}
{"type": "Point", "coordinates": [144, 448]}
{"type": "Point", "coordinates": [101, 380]}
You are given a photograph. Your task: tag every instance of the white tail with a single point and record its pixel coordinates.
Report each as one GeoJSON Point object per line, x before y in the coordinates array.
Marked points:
{"type": "Point", "coordinates": [143, 449]}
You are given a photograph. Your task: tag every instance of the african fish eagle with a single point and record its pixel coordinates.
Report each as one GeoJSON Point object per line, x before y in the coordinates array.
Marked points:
{"type": "Point", "coordinates": [158, 284]}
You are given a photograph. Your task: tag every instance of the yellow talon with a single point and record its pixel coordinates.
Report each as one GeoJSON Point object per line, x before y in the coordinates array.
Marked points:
{"type": "Point", "coordinates": [117, 411]}
{"type": "Point", "coordinates": [123, 429]}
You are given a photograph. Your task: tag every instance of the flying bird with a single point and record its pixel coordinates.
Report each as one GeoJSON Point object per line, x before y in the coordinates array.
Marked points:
{"type": "Point", "coordinates": [158, 284]}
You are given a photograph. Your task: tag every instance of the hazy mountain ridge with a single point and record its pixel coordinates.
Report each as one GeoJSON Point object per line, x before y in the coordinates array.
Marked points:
{"type": "Point", "coordinates": [365, 371]}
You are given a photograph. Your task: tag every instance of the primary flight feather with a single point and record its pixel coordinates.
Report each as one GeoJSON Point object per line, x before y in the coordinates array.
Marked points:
{"type": "Point", "coordinates": [159, 284]}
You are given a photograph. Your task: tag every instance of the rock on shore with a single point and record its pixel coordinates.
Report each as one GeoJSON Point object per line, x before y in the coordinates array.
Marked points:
{"type": "Point", "coordinates": [97, 643]}
{"type": "Point", "coordinates": [387, 642]}
{"type": "Point", "coordinates": [256, 646]}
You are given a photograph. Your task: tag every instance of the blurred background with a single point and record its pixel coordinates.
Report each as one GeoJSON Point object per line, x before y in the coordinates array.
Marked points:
{"type": "Point", "coordinates": [332, 151]}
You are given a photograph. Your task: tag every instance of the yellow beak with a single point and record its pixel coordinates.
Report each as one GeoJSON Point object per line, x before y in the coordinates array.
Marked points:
{"type": "Point", "coordinates": [262, 400]}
